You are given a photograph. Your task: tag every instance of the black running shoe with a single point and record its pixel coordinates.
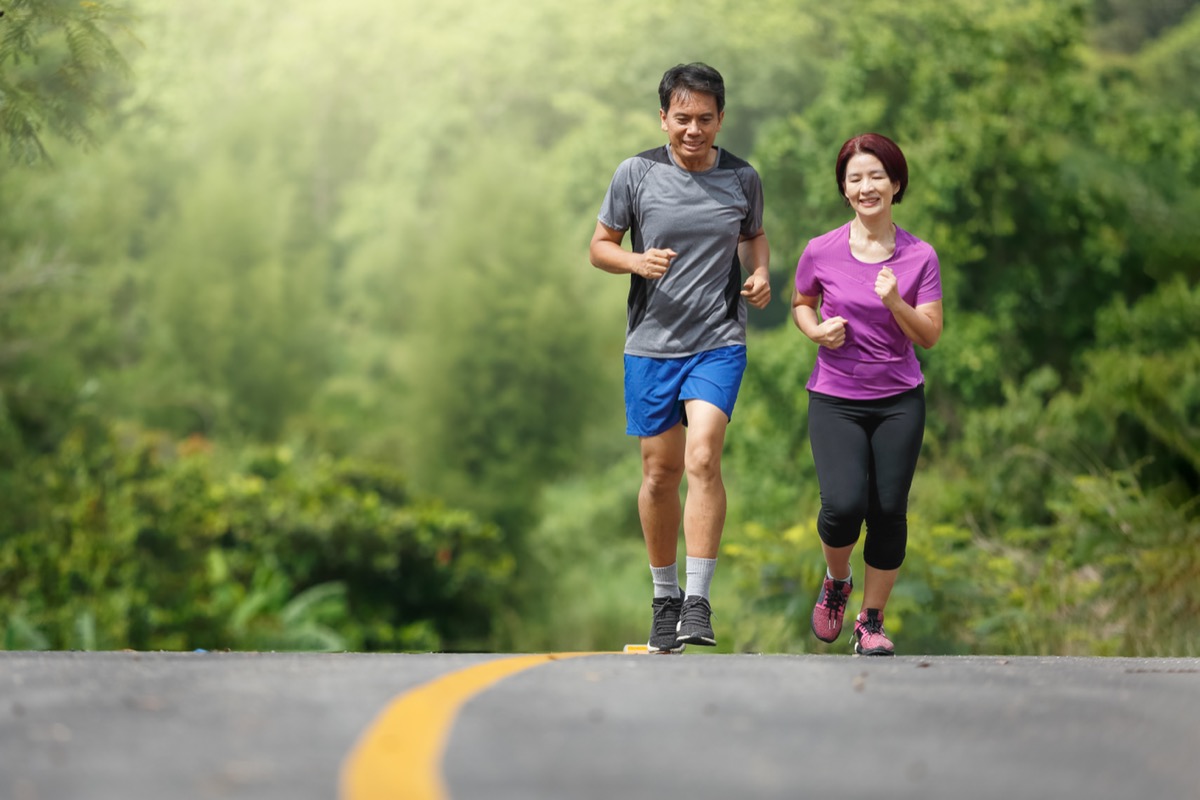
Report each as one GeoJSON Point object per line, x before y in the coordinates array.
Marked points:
{"type": "Point", "coordinates": [665, 627]}
{"type": "Point", "coordinates": [695, 622]}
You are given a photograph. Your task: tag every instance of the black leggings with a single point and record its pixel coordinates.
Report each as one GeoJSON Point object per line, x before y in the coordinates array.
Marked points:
{"type": "Point", "coordinates": [866, 453]}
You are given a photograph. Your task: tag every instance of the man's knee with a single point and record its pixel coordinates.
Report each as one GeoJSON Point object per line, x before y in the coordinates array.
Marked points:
{"type": "Point", "coordinates": [660, 478]}
{"type": "Point", "coordinates": [703, 461]}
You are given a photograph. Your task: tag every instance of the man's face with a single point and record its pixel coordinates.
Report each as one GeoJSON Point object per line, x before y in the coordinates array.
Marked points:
{"type": "Point", "coordinates": [691, 124]}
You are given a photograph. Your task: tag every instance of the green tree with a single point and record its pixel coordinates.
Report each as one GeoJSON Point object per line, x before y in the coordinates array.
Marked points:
{"type": "Point", "coordinates": [360, 229]}
{"type": "Point", "coordinates": [140, 540]}
{"type": "Point", "coordinates": [54, 60]}
{"type": "Point", "coordinates": [58, 68]}
{"type": "Point", "coordinates": [1014, 175]}
{"type": "Point", "coordinates": [1127, 25]}
{"type": "Point", "coordinates": [238, 324]}
{"type": "Point", "coordinates": [507, 358]}
{"type": "Point", "coordinates": [1172, 65]}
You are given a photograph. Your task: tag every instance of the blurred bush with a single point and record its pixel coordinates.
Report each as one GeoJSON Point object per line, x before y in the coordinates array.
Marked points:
{"type": "Point", "coordinates": [131, 539]}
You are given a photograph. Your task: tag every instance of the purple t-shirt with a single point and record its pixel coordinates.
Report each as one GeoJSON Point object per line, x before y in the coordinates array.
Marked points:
{"type": "Point", "coordinates": [877, 359]}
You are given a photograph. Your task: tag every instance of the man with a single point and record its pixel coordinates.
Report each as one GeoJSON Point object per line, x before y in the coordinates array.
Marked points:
{"type": "Point", "coordinates": [695, 212]}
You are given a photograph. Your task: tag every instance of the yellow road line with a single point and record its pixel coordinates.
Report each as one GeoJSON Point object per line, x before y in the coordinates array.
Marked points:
{"type": "Point", "coordinates": [400, 754]}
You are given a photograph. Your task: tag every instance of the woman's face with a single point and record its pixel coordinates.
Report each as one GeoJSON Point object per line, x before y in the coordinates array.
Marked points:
{"type": "Point", "coordinates": [868, 187]}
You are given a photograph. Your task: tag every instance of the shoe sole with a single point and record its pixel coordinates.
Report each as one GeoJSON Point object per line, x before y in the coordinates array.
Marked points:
{"type": "Point", "coordinates": [878, 651]}
{"type": "Point", "coordinates": [678, 648]}
{"type": "Point", "coordinates": [707, 641]}
{"type": "Point", "coordinates": [696, 637]}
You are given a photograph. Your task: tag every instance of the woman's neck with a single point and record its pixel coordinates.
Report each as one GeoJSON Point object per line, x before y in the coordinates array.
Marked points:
{"type": "Point", "coordinates": [874, 240]}
{"type": "Point", "coordinates": [879, 230]}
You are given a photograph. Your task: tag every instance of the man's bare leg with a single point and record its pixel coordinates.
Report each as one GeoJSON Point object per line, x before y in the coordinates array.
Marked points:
{"type": "Point", "coordinates": [703, 517]}
{"type": "Point", "coordinates": [658, 498]}
{"type": "Point", "coordinates": [660, 512]}
{"type": "Point", "coordinates": [704, 512]}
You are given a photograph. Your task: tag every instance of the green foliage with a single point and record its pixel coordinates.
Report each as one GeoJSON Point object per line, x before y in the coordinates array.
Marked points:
{"type": "Point", "coordinates": [1093, 491]}
{"type": "Point", "coordinates": [1127, 25]}
{"type": "Point", "coordinates": [1173, 64]}
{"type": "Point", "coordinates": [954, 595]}
{"type": "Point", "coordinates": [1148, 362]}
{"type": "Point", "coordinates": [507, 356]}
{"type": "Point", "coordinates": [1060, 521]}
{"type": "Point", "coordinates": [1145, 549]}
{"type": "Point", "coordinates": [239, 331]}
{"type": "Point", "coordinates": [53, 59]}
{"type": "Point", "coordinates": [139, 541]}
{"type": "Point", "coordinates": [1015, 174]}
{"type": "Point", "coordinates": [362, 227]}
{"type": "Point", "coordinates": [583, 580]}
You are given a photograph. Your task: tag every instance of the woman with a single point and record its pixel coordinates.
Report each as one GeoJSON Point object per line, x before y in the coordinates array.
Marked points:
{"type": "Point", "coordinates": [878, 291]}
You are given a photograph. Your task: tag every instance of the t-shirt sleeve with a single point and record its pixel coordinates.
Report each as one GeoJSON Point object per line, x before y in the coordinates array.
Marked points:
{"type": "Point", "coordinates": [752, 223]}
{"type": "Point", "coordinates": [930, 288]}
{"type": "Point", "coordinates": [617, 210]}
{"type": "Point", "coordinates": [806, 275]}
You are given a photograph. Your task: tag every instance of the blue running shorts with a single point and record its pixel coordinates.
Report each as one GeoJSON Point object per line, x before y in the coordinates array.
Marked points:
{"type": "Point", "coordinates": [656, 388]}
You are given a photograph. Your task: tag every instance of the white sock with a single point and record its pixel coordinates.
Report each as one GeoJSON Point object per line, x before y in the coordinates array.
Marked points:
{"type": "Point", "coordinates": [699, 575]}
{"type": "Point", "coordinates": [846, 579]}
{"type": "Point", "coordinates": [666, 580]}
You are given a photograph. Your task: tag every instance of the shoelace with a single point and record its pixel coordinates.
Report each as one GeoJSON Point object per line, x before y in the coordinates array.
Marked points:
{"type": "Point", "coordinates": [836, 601]}
{"type": "Point", "coordinates": [697, 613]}
{"type": "Point", "coordinates": [664, 621]}
{"type": "Point", "coordinates": [872, 625]}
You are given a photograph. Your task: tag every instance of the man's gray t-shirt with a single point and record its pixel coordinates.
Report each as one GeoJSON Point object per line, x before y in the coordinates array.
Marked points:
{"type": "Point", "coordinates": [697, 305]}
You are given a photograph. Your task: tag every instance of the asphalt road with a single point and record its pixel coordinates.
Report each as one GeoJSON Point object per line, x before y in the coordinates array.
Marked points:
{"type": "Point", "coordinates": [101, 726]}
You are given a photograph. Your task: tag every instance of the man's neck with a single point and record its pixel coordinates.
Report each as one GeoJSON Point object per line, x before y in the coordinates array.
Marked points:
{"type": "Point", "coordinates": [696, 164]}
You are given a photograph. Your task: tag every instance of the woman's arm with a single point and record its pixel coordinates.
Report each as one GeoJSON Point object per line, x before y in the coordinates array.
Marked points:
{"type": "Point", "coordinates": [923, 324]}
{"type": "Point", "coordinates": [830, 333]}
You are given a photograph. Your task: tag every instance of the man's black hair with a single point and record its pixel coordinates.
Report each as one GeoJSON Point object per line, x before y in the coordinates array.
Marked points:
{"type": "Point", "coordinates": [691, 78]}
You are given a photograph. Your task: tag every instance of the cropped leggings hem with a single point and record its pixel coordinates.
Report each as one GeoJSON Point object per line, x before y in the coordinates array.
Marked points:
{"type": "Point", "coordinates": [865, 452]}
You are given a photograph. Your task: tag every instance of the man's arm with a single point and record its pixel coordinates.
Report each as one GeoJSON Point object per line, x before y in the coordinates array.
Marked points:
{"type": "Point", "coordinates": [755, 254]}
{"type": "Point", "coordinates": [606, 253]}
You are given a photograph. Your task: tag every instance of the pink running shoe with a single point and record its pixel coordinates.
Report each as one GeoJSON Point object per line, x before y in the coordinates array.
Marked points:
{"type": "Point", "coordinates": [869, 637]}
{"type": "Point", "coordinates": [830, 608]}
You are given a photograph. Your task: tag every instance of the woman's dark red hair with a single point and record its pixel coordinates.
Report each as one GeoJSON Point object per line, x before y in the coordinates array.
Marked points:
{"type": "Point", "coordinates": [883, 148]}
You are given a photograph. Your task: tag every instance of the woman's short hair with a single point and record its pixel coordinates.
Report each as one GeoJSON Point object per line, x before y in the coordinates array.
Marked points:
{"type": "Point", "coordinates": [883, 148]}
